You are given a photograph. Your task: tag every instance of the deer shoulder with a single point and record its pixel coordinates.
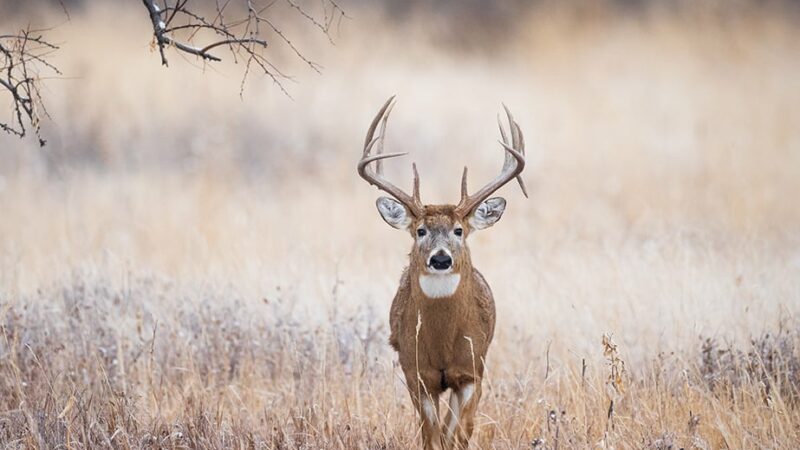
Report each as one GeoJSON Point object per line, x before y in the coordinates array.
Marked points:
{"type": "Point", "coordinates": [398, 310]}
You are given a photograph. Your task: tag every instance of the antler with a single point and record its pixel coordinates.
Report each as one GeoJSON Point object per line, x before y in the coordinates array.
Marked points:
{"type": "Point", "coordinates": [375, 177]}
{"type": "Point", "coordinates": [512, 167]}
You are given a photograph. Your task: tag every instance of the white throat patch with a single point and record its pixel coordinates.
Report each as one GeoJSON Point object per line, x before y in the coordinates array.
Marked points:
{"type": "Point", "coordinates": [439, 285]}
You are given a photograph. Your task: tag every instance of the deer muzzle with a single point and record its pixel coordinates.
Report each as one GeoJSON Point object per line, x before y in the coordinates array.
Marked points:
{"type": "Point", "coordinates": [440, 260]}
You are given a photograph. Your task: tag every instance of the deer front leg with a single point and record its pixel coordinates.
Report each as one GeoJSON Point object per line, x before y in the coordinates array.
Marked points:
{"type": "Point", "coordinates": [426, 401]}
{"type": "Point", "coordinates": [428, 409]}
{"type": "Point", "coordinates": [429, 417]}
{"type": "Point", "coordinates": [460, 420]}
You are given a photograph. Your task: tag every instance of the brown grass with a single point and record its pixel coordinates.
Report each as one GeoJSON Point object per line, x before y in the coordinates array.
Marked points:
{"type": "Point", "coordinates": [181, 268]}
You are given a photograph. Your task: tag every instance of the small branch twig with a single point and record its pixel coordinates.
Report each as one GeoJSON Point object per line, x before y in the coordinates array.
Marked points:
{"type": "Point", "coordinates": [163, 39]}
{"type": "Point", "coordinates": [242, 36]}
{"type": "Point", "coordinates": [22, 56]}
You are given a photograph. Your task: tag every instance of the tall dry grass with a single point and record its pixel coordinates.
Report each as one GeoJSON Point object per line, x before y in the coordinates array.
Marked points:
{"type": "Point", "coordinates": [180, 267]}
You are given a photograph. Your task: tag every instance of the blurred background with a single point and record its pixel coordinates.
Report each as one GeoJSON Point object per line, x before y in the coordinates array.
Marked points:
{"type": "Point", "coordinates": [657, 131]}
{"type": "Point", "coordinates": [663, 142]}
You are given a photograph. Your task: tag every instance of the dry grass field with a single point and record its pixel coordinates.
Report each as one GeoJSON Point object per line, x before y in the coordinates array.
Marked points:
{"type": "Point", "coordinates": [182, 267]}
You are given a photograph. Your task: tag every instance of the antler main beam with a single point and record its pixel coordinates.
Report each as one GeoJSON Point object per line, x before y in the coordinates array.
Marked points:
{"type": "Point", "coordinates": [375, 177]}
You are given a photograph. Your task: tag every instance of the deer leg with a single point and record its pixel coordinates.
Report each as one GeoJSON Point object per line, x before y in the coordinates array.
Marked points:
{"type": "Point", "coordinates": [427, 404]}
{"type": "Point", "coordinates": [462, 421]}
{"type": "Point", "coordinates": [451, 419]}
{"type": "Point", "coordinates": [429, 413]}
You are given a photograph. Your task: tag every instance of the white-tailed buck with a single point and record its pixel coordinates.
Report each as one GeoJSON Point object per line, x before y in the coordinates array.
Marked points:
{"type": "Point", "coordinates": [442, 317]}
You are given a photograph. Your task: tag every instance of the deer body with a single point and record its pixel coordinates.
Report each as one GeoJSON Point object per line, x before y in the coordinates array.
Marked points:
{"type": "Point", "coordinates": [448, 352]}
{"type": "Point", "coordinates": [442, 318]}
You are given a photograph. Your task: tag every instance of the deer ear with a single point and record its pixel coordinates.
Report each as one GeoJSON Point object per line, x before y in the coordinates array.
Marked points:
{"type": "Point", "coordinates": [393, 212]}
{"type": "Point", "coordinates": [487, 213]}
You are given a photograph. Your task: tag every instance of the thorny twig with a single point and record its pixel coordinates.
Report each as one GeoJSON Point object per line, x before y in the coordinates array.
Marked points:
{"type": "Point", "coordinates": [176, 25]}
{"type": "Point", "coordinates": [22, 58]}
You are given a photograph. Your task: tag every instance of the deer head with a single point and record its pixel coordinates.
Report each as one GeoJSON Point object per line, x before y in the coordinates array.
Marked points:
{"type": "Point", "coordinates": [440, 254]}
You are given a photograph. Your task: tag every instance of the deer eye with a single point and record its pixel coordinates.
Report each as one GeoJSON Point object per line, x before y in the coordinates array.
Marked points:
{"type": "Point", "coordinates": [458, 231]}
{"type": "Point", "coordinates": [422, 232]}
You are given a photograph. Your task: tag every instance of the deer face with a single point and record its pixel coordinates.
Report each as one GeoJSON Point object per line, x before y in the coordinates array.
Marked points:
{"type": "Point", "coordinates": [440, 232]}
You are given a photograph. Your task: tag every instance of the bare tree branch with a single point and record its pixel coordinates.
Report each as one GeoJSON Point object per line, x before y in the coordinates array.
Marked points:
{"type": "Point", "coordinates": [177, 26]}
{"type": "Point", "coordinates": [22, 57]}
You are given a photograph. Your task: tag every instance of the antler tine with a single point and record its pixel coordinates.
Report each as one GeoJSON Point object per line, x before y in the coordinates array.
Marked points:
{"type": "Point", "coordinates": [513, 165]}
{"type": "Point", "coordinates": [375, 177]}
{"type": "Point", "coordinates": [517, 141]}
{"type": "Point", "coordinates": [464, 194]}
{"type": "Point", "coordinates": [381, 137]}
{"type": "Point", "coordinates": [375, 121]}
{"type": "Point", "coordinates": [415, 194]}
{"type": "Point", "coordinates": [502, 131]}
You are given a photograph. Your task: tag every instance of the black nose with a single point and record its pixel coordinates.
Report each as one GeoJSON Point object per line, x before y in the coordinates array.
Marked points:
{"type": "Point", "coordinates": [441, 261]}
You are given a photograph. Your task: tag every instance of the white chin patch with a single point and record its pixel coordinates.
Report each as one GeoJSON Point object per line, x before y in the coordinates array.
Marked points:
{"type": "Point", "coordinates": [439, 285]}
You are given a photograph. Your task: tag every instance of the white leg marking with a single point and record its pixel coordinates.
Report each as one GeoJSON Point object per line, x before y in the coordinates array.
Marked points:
{"type": "Point", "coordinates": [455, 407]}
{"type": "Point", "coordinates": [438, 286]}
{"type": "Point", "coordinates": [466, 393]}
{"type": "Point", "coordinates": [429, 410]}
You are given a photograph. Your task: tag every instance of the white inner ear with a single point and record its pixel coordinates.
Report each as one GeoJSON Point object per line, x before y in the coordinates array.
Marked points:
{"type": "Point", "coordinates": [487, 213]}
{"type": "Point", "coordinates": [393, 212]}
